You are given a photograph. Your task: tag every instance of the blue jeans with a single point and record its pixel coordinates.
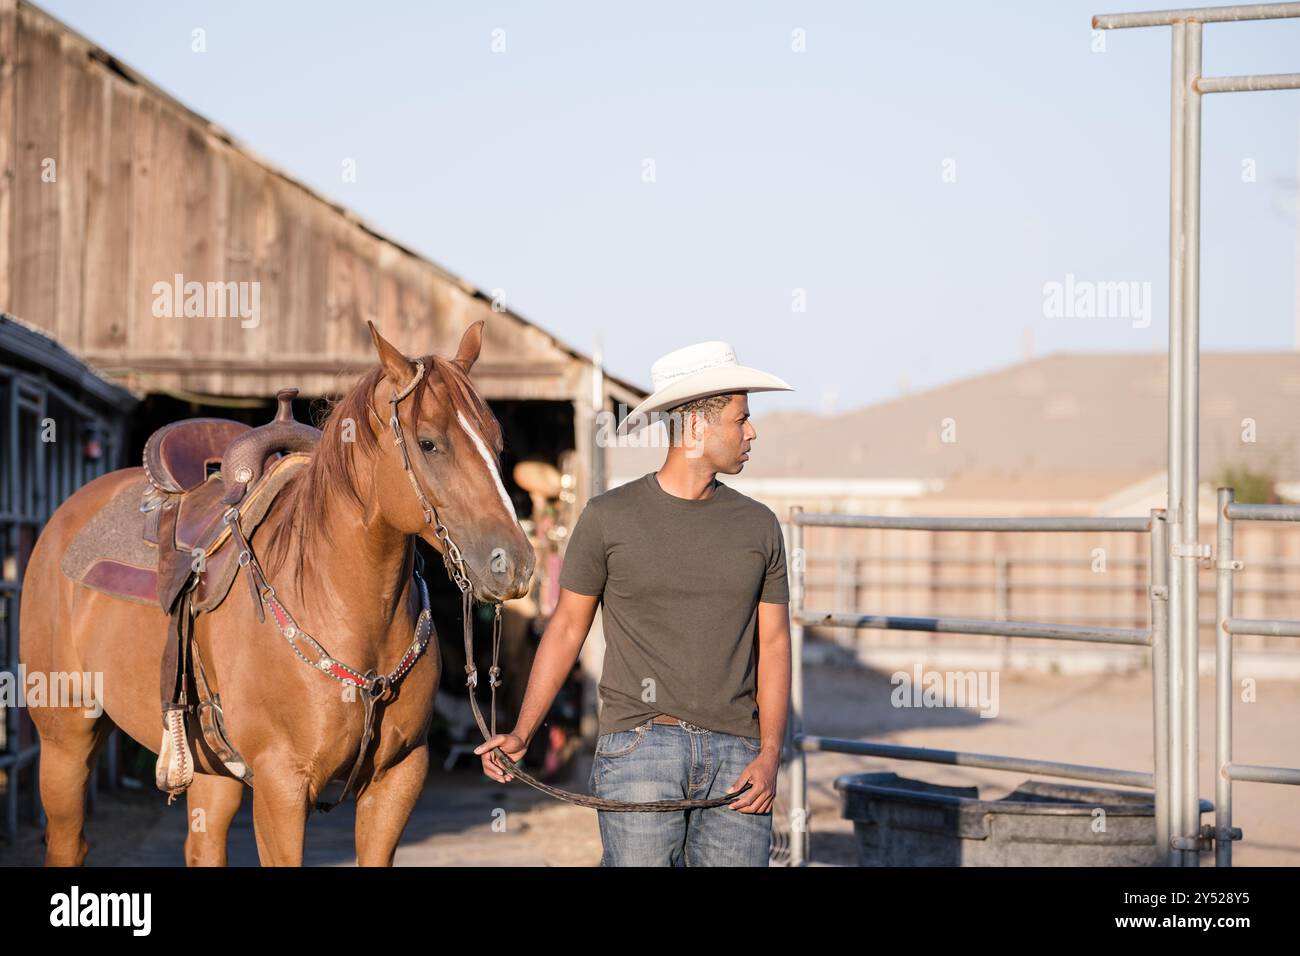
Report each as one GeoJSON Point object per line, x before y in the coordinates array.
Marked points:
{"type": "Point", "coordinates": [673, 762]}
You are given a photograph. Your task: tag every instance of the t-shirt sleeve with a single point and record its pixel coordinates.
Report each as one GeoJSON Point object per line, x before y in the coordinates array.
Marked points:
{"type": "Point", "coordinates": [776, 589]}
{"type": "Point", "coordinates": [584, 556]}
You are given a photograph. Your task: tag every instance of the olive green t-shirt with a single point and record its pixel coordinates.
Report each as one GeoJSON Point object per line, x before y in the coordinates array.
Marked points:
{"type": "Point", "coordinates": [680, 581]}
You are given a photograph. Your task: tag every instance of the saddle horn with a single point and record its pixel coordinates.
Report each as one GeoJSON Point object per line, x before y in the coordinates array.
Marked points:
{"type": "Point", "coordinates": [244, 461]}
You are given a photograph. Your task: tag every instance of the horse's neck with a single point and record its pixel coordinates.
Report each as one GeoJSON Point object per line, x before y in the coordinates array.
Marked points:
{"type": "Point", "coordinates": [356, 591]}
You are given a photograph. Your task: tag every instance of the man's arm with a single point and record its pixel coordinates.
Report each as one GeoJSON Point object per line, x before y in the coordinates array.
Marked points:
{"type": "Point", "coordinates": [773, 697]}
{"type": "Point", "coordinates": [773, 687]}
{"type": "Point", "coordinates": [556, 654]}
{"type": "Point", "coordinates": [772, 692]}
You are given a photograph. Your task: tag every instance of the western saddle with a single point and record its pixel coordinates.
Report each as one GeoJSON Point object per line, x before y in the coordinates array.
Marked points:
{"type": "Point", "coordinates": [210, 483]}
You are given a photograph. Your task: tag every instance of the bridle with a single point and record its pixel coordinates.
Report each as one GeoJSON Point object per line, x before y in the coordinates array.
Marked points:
{"type": "Point", "coordinates": [376, 687]}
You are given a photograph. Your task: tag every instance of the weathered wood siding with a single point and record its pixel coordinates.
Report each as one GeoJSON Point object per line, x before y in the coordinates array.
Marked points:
{"type": "Point", "coordinates": [143, 189]}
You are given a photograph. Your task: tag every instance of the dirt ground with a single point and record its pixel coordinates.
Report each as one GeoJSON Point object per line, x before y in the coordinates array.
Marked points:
{"type": "Point", "coordinates": [464, 819]}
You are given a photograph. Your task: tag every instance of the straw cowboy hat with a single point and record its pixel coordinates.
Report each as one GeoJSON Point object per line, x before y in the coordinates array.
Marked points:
{"type": "Point", "coordinates": [706, 368]}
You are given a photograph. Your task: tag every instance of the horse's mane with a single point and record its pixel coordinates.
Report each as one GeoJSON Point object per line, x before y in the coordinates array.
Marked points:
{"type": "Point", "coordinates": [347, 438]}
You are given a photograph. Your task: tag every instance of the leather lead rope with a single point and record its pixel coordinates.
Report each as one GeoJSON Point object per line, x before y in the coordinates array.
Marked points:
{"type": "Point", "coordinates": [578, 799]}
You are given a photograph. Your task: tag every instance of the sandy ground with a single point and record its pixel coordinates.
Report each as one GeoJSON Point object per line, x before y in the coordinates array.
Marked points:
{"type": "Point", "coordinates": [465, 819]}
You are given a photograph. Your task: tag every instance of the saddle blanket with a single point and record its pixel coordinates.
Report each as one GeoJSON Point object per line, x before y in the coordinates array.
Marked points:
{"type": "Point", "coordinates": [111, 553]}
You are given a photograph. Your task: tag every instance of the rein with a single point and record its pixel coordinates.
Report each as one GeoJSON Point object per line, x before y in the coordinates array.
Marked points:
{"type": "Point", "coordinates": [377, 687]}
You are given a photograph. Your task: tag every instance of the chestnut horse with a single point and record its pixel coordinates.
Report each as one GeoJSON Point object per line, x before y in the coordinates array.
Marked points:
{"type": "Point", "coordinates": [338, 546]}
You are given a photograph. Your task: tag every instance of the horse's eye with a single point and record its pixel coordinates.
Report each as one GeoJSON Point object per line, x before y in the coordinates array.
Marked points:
{"type": "Point", "coordinates": [427, 446]}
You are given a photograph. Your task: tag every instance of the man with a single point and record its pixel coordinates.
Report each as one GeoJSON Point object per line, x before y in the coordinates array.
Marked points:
{"type": "Point", "coordinates": [696, 677]}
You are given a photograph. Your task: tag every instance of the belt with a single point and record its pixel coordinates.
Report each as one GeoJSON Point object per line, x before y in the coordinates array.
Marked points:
{"type": "Point", "coordinates": [665, 719]}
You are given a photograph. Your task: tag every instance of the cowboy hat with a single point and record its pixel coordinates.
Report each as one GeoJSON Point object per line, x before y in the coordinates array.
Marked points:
{"type": "Point", "coordinates": [706, 368]}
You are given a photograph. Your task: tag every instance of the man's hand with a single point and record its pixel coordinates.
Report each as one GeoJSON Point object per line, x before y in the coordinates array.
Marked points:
{"type": "Point", "coordinates": [514, 748]}
{"type": "Point", "coordinates": [761, 772]}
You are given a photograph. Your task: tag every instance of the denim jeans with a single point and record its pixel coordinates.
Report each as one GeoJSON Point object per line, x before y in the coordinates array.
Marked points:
{"type": "Point", "coordinates": [676, 761]}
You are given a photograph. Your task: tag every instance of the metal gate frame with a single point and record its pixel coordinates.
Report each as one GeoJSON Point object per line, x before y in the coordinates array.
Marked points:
{"type": "Point", "coordinates": [1225, 626]}
{"type": "Point", "coordinates": [41, 380]}
{"type": "Point", "coordinates": [1164, 706]}
{"type": "Point", "coordinates": [1185, 551]}
{"type": "Point", "coordinates": [1176, 552]}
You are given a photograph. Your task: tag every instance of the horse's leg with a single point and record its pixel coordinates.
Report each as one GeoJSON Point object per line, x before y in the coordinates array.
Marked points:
{"type": "Point", "coordinates": [213, 802]}
{"type": "Point", "coordinates": [70, 742]}
{"type": "Point", "coordinates": [280, 807]}
{"type": "Point", "coordinates": [70, 737]}
{"type": "Point", "coordinates": [386, 804]}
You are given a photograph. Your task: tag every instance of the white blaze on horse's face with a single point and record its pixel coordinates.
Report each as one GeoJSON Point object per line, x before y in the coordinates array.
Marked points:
{"type": "Point", "coordinates": [492, 468]}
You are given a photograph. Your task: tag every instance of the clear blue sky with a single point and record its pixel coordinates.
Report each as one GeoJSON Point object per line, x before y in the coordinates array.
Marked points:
{"type": "Point", "coordinates": [522, 170]}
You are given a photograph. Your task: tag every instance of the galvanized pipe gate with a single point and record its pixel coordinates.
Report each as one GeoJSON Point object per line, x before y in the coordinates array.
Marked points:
{"type": "Point", "coordinates": [1155, 637]}
{"type": "Point", "coordinates": [1176, 550]}
{"type": "Point", "coordinates": [1185, 550]}
{"type": "Point", "coordinates": [1225, 626]}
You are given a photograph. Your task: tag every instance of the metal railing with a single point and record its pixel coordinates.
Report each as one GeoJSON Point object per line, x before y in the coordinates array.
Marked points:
{"type": "Point", "coordinates": [1169, 712]}
{"type": "Point", "coordinates": [1227, 625]}
{"type": "Point", "coordinates": [36, 475]}
{"type": "Point", "coordinates": [1187, 88]}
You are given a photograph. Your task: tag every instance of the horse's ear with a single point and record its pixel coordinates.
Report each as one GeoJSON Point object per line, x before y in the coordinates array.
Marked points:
{"type": "Point", "coordinates": [399, 369]}
{"type": "Point", "coordinates": [470, 343]}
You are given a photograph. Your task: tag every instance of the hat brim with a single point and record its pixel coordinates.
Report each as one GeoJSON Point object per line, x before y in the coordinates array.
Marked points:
{"type": "Point", "coordinates": [711, 381]}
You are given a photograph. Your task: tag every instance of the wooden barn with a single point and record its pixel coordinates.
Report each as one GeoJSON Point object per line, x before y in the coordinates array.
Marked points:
{"type": "Point", "coordinates": [112, 190]}
{"type": "Point", "coordinates": [172, 260]}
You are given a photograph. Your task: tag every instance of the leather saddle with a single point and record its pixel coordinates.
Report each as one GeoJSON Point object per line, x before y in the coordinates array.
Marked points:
{"type": "Point", "coordinates": [168, 540]}
{"type": "Point", "coordinates": [202, 471]}
{"type": "Point", "coordinates": [179, 457]}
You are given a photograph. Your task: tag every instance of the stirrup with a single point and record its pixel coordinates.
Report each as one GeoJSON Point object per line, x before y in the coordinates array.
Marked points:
{"type": "Point", "coordinates": [174, 771]}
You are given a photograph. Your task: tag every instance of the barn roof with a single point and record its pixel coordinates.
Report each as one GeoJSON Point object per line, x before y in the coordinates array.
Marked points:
{"type": "Point", "coordinates": [148, 188]}
{"type": "Point", "coordinates": [23, 343]}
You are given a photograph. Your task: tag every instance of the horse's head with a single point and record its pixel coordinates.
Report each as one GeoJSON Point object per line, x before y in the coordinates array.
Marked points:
{"type": "Point", "coordinates": [446, 468]}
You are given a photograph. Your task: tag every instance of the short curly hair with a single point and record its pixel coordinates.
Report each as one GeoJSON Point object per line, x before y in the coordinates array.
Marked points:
{"type": "Point", "coordinates": [709, 408]}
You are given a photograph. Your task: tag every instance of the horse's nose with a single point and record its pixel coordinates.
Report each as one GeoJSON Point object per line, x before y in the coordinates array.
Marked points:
{"type": "Point", "coordinates": [512, 573]}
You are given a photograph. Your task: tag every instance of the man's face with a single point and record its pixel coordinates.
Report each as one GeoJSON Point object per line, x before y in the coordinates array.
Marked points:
{"type": "Point", "coordinates": [725, 444]}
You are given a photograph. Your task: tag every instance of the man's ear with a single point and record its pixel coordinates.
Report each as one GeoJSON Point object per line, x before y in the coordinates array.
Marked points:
{"type": "Point", "coordinates": [696, 424]}
{"type": "Point", "coordinates": [399, 369]}
{"type": "Point", "coordinates": [470, 344]}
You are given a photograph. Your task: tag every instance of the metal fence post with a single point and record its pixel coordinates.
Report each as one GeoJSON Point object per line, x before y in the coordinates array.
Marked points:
{"type": "Point", "coordinates": [1225, 565]}
{"type": "Point", "coordinates": [1173, 499]}
{"type": "Point", "coordinates": [1189, 558]}
{"type": "Point", "coordinates": [1002, 602]}
{"type": "Point", "coordinates": [799, 812]}
{"type": "Point", "coordinates": [845, 591]}
{"type": "Point", "coordinates": [1159, 598]}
